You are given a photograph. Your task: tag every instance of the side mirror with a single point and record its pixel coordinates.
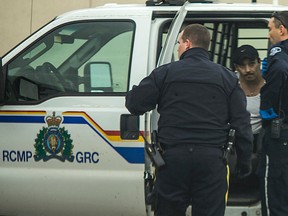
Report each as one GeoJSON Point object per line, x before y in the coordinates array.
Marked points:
{"type": "Point", "coordinates": [26, 89]}
{"type": "Point", "coordinates": [129, 127]}
{"type": "Point", "coordinates": [98, 77]}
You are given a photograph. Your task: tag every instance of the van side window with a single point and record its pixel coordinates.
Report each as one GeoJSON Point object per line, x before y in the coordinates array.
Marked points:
{"type": "Point", "coordinates": [227, 35]}
{"type": "Point", "coordinates": [79, 58]}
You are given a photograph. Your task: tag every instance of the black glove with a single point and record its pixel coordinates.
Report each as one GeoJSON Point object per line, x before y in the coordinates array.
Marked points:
{"type": "Point", "coordinates": [243, 170]}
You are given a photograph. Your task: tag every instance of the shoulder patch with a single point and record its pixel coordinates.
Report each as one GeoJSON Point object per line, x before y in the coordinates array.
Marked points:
{"type": "Point", "coordinates": [275, 50]}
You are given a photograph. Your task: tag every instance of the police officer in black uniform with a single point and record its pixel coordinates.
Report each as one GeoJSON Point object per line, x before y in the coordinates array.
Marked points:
{"type": "Point", "coordinates": [274, 113]}
{"type": "Point", "coordinates": [198, 101]}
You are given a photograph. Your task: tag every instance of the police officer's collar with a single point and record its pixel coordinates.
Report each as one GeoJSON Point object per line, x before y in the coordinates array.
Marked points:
{"type": "Point", "coordinates": [195, 52]}
{"type": "Point", "coordinates": [280, 43]}
{"type": "Point", "coordinates": [277, 48]}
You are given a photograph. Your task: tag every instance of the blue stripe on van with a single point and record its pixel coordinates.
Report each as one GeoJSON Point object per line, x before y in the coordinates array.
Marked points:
{"type": "Point", "coordinates": [22, 119]}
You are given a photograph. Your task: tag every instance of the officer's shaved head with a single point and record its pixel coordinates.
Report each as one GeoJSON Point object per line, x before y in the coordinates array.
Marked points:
{"type": "Point", "coordinates": [198, 35]}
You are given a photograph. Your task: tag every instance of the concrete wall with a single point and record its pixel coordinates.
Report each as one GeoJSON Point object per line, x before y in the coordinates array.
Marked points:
{"type": "Point", "coordinates": [20, 18]}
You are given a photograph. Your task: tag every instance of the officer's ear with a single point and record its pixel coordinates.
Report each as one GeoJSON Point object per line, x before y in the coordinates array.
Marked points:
{"type": "Point", "coordinates": [188, 44]}
{"type": "Point", "coordinates": [283, 30]}
{"type": "Point", "coordinates": [258, 60]}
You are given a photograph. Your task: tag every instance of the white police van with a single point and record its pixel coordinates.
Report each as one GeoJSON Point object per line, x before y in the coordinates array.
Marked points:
{"type": "Point", "coordinates": [62, 96]}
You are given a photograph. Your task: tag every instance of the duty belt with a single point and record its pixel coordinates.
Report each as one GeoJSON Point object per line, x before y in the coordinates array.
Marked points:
{"type": "Point", "coordinates": [187, 145]}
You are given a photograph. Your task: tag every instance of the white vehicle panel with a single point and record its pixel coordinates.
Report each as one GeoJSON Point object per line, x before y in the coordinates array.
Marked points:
{"type": "Point", "coordinates": [64, 155]}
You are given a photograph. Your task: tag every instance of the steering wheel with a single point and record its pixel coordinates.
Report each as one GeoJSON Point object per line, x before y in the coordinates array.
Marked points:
{"type": "Point", "coordinates": [50, 68]}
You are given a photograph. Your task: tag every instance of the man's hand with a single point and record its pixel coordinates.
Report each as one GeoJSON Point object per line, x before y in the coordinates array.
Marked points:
{"type": "Point", "coordinates": [243, 170]}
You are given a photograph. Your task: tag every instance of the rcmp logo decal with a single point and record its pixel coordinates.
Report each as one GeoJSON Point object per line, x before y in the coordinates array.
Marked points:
{"type": "Point", "coordinates": [53, 141]}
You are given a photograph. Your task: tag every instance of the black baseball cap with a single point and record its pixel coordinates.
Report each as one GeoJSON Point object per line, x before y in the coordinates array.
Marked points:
{"type": "Point", "coordinates": [245, 51]}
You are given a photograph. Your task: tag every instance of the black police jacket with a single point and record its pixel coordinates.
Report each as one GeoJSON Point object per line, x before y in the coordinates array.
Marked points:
{"type": "Point", "coordinates": [198, 101]}
{"type": "Point", "coordinates": [276, 86]}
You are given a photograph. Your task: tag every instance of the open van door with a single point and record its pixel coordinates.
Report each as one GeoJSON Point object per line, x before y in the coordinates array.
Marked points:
{"type": "Point", "coordinates": [167, 51]}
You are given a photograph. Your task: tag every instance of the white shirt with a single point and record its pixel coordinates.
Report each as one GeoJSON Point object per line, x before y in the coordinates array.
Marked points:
{"type": "Point", "coordinates": [253, 106]}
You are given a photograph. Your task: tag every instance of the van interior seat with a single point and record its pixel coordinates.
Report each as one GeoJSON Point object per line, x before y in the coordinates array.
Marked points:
{"type": "Point", "coordinates": [245, 191]}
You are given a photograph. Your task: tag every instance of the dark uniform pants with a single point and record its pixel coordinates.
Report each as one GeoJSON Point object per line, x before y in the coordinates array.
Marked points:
{"type": "Point", "coordinates": [274, 175]}
{"type": "Point", "coordinates": [192, 175]}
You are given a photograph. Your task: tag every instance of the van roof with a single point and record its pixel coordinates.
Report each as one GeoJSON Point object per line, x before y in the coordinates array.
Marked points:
{"type": "Point", "coordinates": [244, 8]}
{"type": "Point", "coordinates": [206, 6]}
